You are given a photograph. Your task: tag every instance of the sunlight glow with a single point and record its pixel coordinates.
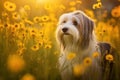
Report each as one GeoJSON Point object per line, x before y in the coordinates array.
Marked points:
{"type": "Point", "coordinates": [45, 1]}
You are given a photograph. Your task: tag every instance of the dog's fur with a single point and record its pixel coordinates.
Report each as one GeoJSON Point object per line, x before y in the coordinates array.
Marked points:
{"type": "Point", "coordinates": [75, 34]}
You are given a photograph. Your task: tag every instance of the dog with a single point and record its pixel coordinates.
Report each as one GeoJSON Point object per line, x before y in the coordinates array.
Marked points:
{"type": "Point", "coordinates": [75, 34]}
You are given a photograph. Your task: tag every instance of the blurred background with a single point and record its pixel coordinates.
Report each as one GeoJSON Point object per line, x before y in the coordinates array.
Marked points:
{"type": "Point", "coordinates": [28, 49]}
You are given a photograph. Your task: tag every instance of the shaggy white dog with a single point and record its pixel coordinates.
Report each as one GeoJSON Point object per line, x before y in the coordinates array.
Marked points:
{"type": "Point", "coordinates": [75, 35]}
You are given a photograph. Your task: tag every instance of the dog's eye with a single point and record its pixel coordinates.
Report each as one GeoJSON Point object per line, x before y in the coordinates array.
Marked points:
{"type": "Point", "coordinates": [64, 21]}
{"type": "Point", "coordinates": [75, 22]}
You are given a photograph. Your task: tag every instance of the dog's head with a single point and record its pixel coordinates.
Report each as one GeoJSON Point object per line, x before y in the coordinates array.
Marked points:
{"type": "Point", "coordinates": [75, 27]}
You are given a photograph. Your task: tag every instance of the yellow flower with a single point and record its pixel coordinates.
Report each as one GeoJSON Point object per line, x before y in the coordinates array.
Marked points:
{"type": "Point", "coordinates": [36, 19]}
{"type": "Point", "coordinates": [16, 25]}
{"type": "Point", "coordinates": [20, 51]}
{"type": "Point", "coordinates": [29, 22]}
{"type": "Point", "coordinates": [10, 6]}
{"type": "Point", "coordinates": [78, 70]}
{"type": "Point", "coordinates": [27, 7]}
{"type": "Point", "coordinates": [28, 77]}
{"type": "Point", "coordinates": [20, 44]}
{"type": "Point", "coordinates": [35, 47]}
{"type": "Point", "coordinates": [109, 57]}
{"type": "Point", "coordinates": [40, 43]}
{"type": "Point", "coordinates": [1, 26]}
{"type": "Point", "coordinates": [41, 32]}
{"type": "Point", "coordinates": [62, 7]}
{"type": "Point", "coordinates": [47, 6]}
{"type": "Point", "coordinates": [15, 63]}
{"type": "Point", "coordinates": [95, 54]}
{"type": "Point", "coordinates": [70, 56]}
{"type": "Point", "coordinates": [6, 4]}
{"type": "Point", "coordinates": [72, 3]}
{"type": "Point", "coordinates": [33, 32]}
{"type": "Point", "coordinates": [45, 18]}
{"type": "Point", "coordinates": [116, 11]}
{"type": "Point", "coordinates": [6, 25]}
{"type": "Point", "coordinates": [15, 15]}
{"type": "Point", "coordinates": [48, 46]}
{"type": "Point", "coordinates": [87, 61]}
{"type": "Point", "coordinates": [4, 14]}
{"type": "Point", "coordinates": [99, 5]}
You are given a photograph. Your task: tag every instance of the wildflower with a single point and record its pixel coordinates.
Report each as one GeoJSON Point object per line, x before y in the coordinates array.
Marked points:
{"type": "Point", "coordinates": [94, 6]}
{"type": "Point", "coordinates": [35, 47]}
{"type": "Point", "coordinates": [4, 14]}
{"type": "Point", "coordinates": [62, 7]}
{"type": "Point", "coordinates": [47, 6]}
{"type": "Point", "coordinates": [22, 27]}
{"type": "Point", "coordinates": [99, 5]}
{"type": "Point", "coordinates": [48, 46]}
{"type": "Point", "coordinates": [95, 55]}
{"type": "Point", "coordinates": [15, 16]}
{"type": "Point", "coordinates": [116, 11]}
{"type": "Point", "coordinates": [33, 32]}
{"type": "Point", "coordinates": [6, 4]}
{"type": "Point", "coordinates": [10, 6]}
{"type": "Point", "coordinates": [40, 43]}
{"type": "Point", "coordinates": [109, 57]}
{"type": "Point", "coordinates": [20, 51]}
{"type": "Point", "coordinates": [15, 63]}
{"type": "Point", "coordinates": [78, 70]}
{"type": "Point", "coordinates": [70, 56]}
{"type": "Point", "coordinates": [6, 25]}
{"type": "Point", "coordinates": [27, 7]}
{"type": "Point", "coordinates": [36, 19]}
{"type": "Point", "coordinates": [16, 25]}
{"type": "Point", "coordinates": [20, 44]}
{"type": "Point", "coordinates": [44, 18]}
{"type": "Point", "coordinates": [87, 61]}
{"type": "Point", "coordinates": [1, 27]}
{"type": "Point", "coordinates": [33, 35]}
{"type": "Point", "coordinates": [72, 3]}
{"type": "Point", "coordinates": [13, 30]}
{"type": "Point", "coordinates": [41, 33]}
{"type": "Point", "coordinates": [29, 22]}
{"type": "Point", "coordinates": [28, 77]}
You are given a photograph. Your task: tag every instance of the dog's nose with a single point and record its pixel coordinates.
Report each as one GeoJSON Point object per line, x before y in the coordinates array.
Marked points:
{"type": "Point", "coordinates": [64, 29]}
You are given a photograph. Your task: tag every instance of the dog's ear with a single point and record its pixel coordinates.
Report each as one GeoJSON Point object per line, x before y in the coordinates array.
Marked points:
{"type": "Point", "coordinates": [87, 25]}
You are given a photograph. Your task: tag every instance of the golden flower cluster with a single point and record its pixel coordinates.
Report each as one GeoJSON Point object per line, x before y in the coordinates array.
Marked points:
{"type": "Point", "coordinates": [9, 6]}
{"type": "Point", "coordinates": [97, 5]}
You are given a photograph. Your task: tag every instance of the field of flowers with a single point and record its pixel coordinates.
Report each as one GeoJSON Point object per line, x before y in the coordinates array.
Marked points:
{"type": "Point", "coordinates": [28, 49]}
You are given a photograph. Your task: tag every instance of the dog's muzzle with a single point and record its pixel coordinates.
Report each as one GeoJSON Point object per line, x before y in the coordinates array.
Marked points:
{"type": "Point", "coordinates": [65, 31]}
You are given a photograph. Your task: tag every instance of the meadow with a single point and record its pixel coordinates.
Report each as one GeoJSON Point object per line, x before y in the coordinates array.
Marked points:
{"type": "Point", "coordinates": [28, 48]}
